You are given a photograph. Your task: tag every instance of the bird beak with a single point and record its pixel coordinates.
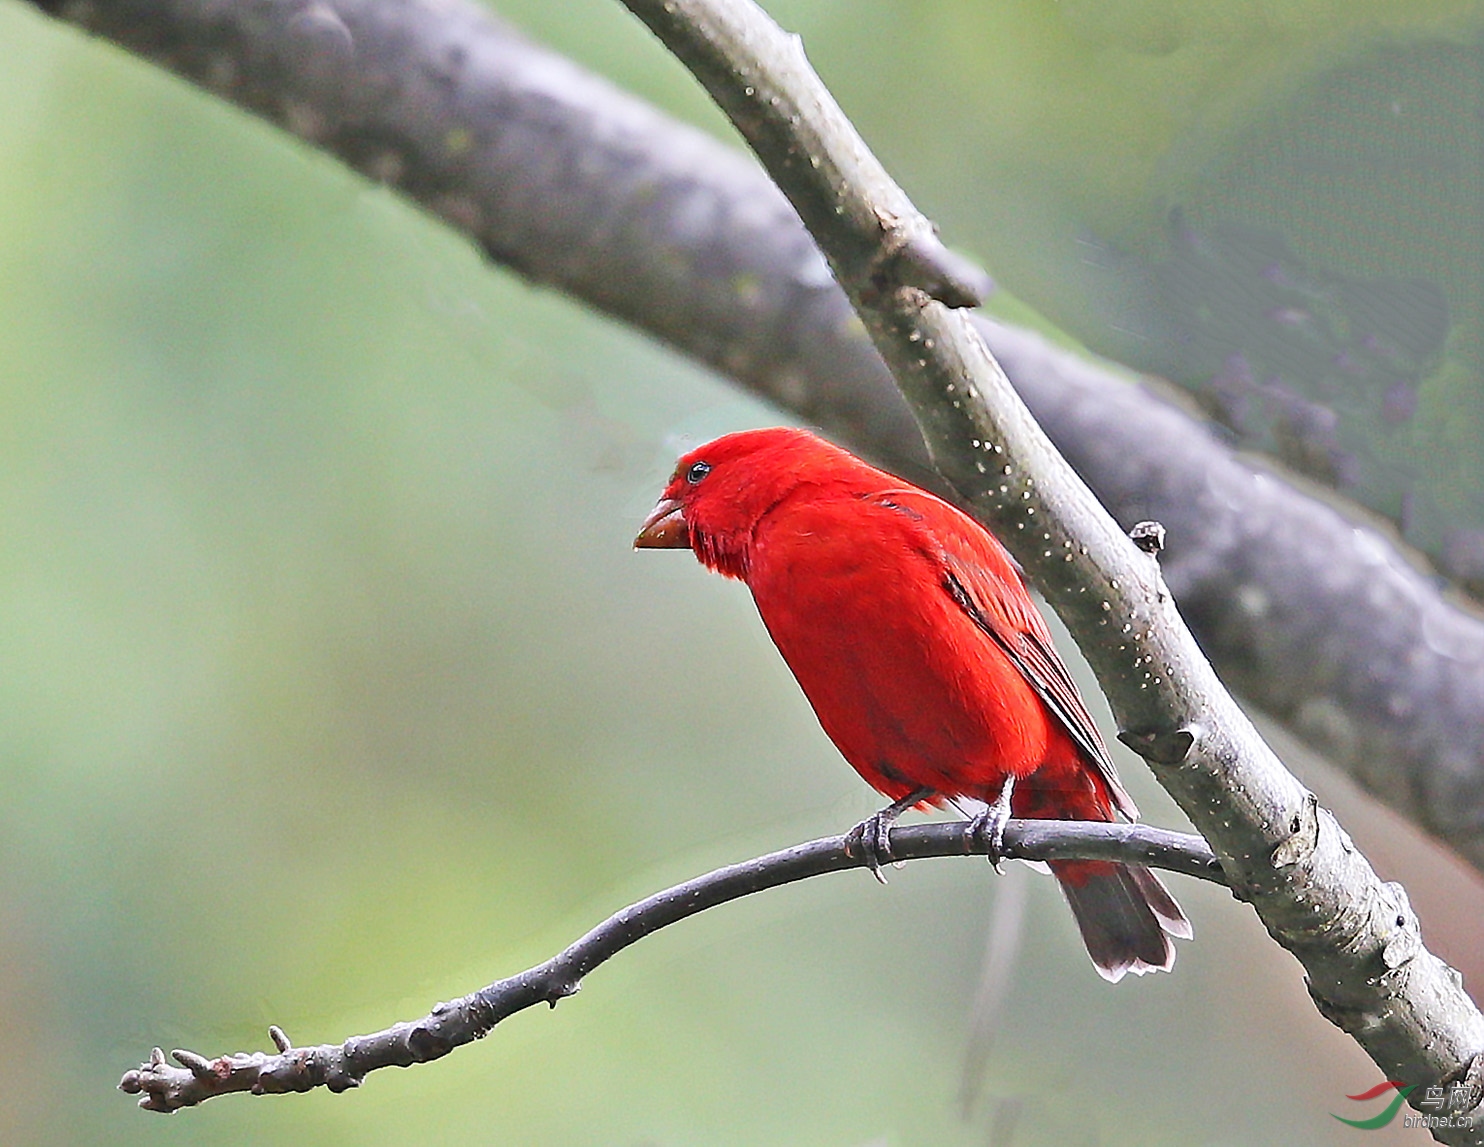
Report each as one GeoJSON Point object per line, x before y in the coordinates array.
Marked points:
{"type": "Point", "coordinates": [664, 529]}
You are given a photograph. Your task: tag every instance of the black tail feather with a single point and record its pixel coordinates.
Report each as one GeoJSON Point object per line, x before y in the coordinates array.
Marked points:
{"type": "Point", "coordinates": [1126, 916]}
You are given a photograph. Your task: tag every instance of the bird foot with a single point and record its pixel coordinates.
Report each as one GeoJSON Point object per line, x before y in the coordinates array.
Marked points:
{"type": "Point", "coordinates": [872, 837]}
{"type": "Point", "coordinates": [988, 828]}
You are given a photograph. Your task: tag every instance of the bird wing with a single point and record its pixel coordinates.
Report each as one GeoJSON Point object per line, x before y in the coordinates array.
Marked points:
{"type": "Point", "coordinates": [975, 567]}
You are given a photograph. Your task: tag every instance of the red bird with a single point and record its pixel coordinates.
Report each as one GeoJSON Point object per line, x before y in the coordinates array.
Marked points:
{"type": "Point", "coordinates": [910, 631]}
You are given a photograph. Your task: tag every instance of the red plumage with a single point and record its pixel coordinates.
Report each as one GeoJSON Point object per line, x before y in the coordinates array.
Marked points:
{"type": "Point", "coordinates": [912, 635]}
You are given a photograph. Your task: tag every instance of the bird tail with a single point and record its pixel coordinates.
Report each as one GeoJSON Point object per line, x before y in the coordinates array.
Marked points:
{"type": "Point", "coordinates": [1126, 916]}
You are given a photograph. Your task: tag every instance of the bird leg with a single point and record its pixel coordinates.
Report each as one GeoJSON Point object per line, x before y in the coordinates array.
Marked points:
{"type": "Point", "coordinates": [989, 826]}
{"type": "Point", "coordinates": [873, 835]}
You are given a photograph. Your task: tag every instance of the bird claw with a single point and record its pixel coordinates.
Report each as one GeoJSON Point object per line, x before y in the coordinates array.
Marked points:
{"type": "Point", "coordinates": [872, 837]}
{"type": "Point", "coordinates": [988, 828]}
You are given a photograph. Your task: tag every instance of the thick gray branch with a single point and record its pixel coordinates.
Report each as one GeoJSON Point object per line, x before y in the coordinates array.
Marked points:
{"type": "Point", "coordinates": [1356, 937]}
{"type": "Point", "coordinates": [163, 1086]}
{"type": "Point", "coordinates": [580, 186]}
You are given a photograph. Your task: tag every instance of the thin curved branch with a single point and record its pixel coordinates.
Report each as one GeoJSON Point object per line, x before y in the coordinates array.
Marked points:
{"type": "Point", "coordinates": [163, 1086]}
{"type": "Point", "coordinates": [1357, 938]}
{"type": "Point", "coordinates": [1317, 618]}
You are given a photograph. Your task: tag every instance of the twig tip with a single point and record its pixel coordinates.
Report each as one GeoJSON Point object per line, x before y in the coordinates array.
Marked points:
{"type": "Point", "coordinates": [197, 1065]}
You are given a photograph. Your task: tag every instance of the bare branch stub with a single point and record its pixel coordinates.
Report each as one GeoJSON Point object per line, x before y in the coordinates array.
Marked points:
{"type": "Point", "coordinates": [919, 260]}
{"type": "Point", "coordinates": [1148, 536]}
{"type": "Point", "coordinates": [1161, 747]}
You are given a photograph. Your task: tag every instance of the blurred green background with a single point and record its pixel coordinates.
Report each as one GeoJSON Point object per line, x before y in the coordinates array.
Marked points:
{"type": "Point", "coordinates": [330, 687]}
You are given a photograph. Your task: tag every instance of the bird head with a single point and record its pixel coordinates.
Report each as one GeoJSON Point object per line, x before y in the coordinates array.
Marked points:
{"type": "Point", "coordinates": [719, 492]}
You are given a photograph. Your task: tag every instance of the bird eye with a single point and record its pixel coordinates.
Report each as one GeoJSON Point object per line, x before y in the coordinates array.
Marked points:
{"type": "Point", "coordinates": [697, 471]}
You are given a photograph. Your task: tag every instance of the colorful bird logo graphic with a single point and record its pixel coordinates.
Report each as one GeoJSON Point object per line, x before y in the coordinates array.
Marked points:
{"type": "Point", "coordinates": [1386, 1116]}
